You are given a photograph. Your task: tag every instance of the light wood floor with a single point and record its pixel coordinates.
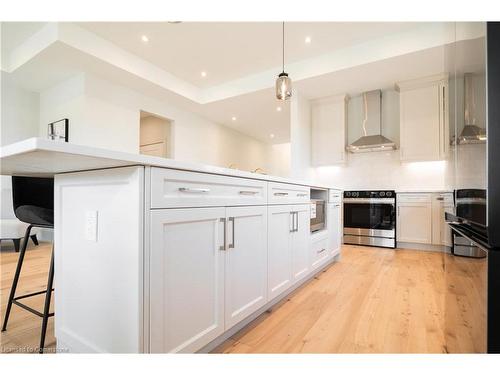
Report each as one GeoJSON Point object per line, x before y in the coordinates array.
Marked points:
{"type": "Point", "coordinates": [373, 300]}
{"type": "Point", "coordinates": [23, 331]}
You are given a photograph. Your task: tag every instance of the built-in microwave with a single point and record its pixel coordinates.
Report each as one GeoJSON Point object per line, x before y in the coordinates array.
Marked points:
{"type": "Point", "coordinates": [317, 214]}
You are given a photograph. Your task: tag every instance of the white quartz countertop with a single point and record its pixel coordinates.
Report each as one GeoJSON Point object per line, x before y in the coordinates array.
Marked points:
{"type": "Point", "coordinates": [43, 158]}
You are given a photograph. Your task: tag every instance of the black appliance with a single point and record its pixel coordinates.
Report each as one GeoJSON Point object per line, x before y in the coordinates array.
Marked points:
{"type": "Point", "coordinates": [473, 284]}
{"type": "Point", "coordinates": [370, 218]}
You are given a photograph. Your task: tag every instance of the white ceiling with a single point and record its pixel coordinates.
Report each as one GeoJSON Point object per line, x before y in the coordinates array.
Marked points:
{"type": "Point", "coordinates": [227, 51]}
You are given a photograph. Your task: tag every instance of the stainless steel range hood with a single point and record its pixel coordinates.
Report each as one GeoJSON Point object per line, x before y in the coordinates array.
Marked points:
{"type": "Point", "coordinates": [472, 132]}
{"type": "Point", "coordinates": [372, 140]}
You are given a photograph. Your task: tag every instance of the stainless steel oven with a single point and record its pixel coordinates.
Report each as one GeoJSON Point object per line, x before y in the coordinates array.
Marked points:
{"type": "Point", "coordinates": [317, 214]}
{"type": "Point", "coordinates": [370, 218]}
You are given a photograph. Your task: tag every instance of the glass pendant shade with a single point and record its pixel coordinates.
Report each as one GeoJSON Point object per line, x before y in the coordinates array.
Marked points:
{"type": "Point", "coordinates": [283, 87]}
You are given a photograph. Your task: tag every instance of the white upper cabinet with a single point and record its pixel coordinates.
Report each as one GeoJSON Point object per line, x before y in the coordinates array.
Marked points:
{"type": "Point", "coordinates": [246, 262]}
{"type": "Point", "coordinates": [329, 123]}
{"type": "Point", "coordinates": [424, 118]}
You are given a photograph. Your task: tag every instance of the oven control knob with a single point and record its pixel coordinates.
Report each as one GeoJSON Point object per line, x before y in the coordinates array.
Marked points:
{"type": "Point", "coordinates": [389, 194]}
{"type": "Point", "coordinates": [382, 193]}
{"type": "Point", "coordinates": [348, 194]}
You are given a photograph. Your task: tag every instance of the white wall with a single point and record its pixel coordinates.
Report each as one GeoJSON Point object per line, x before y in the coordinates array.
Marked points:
{"type": "Point", "coordinates": [103, 114]}
{"type": "Point", "coordinates": [300, 137]}
{"type": "Point", "coordinates": [383, 170]}
{"type": "Point", "coordinates": [19, 111]}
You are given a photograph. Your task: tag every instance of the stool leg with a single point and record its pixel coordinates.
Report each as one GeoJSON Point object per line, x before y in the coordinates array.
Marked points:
{"type": "Point", "coordinates": [34, 239]}
{"type": "Point", "coordinates": [48, 296]}
{"type": "Point", "coordinates": [16, 277]}
{"type": "Point", "coordinates": [17, 244]}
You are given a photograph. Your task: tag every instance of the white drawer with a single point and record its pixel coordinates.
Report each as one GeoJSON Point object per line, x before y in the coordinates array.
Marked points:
{"type": "Point", "coordinates": [414, 197]}
{"type": "Point", "coordinates": [288, 193]}
{"type": "Point", "coordinates": [173, 188]}
{"type": "Point", "coordinates": [334, 196]}
{"type": "Point", "coordinates": [319, 252]}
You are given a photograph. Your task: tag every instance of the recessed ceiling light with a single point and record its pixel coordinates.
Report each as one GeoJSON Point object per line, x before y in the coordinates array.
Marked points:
{"type": "Point", "coordinates": [278, 109]}
{"type": "Point", "coordinates": [308, 39]}
{"type": "Point", "coordinates": [233, 118]}
{"type": "Point", "coordinates": [203, 74]}
{"type": "Point", "coordinates": [271, 135]}
{"type": "Point", "coordinates": [144, 38]}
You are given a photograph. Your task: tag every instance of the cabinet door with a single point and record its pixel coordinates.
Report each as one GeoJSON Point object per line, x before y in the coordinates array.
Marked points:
{"type": "Point", "coordinates": [421, 133]}
{"type": "Point", "coordinates": [246, 262]}
{"type": "Point", "coordinates": [301, 240]}
{"type": "Point", "coordinates": [446, 236]}
{"type": "Point", "coordinates": [279, 250]}
{"type": "Point", "coordinates": [334, 229]}
{"type": "Point", "coordinates": [186, 278]}
{"type": "Point", "coordinates": [414, 222]}
{"type": "Point", "coordinates": [328, 123]}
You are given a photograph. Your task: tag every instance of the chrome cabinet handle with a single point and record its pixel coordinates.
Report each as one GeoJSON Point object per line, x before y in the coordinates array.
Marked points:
{"type": "Point", "coordinates": [281, 194]}
{"type": "Point", "coordinates": [293, 222]}
{"type": "Point", "coordinates": [302, 195]}
{"type": "Point", "coordinates": [320, 251]}
{"type": "Point", "coordinates": [248, 192]}
{"type": "Point", "coordinates": [336, 205]}
{"type": "Point", "coordinates": [296, 221]}
{"type": "Point", "coordinates": [194, 190]}
{"type": "Point", "coordinates": [231, 245]}
{"type": "Point", "coordinates": [223, 246]}
{"type": "Point", "coordinates": [440, 199]}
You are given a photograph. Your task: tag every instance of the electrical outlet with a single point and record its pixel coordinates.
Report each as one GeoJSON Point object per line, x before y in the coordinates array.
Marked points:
{"type": "Point", "coordinates": [91, 226]}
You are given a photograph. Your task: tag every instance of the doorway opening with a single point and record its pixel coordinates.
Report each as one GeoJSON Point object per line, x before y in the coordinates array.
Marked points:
{"type": "Point", "coordinates": [155, 135]}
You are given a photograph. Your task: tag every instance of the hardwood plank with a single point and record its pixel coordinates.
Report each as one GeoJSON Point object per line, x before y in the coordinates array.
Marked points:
{"type": "Point", "coordinates": [23, 330]}
{"type": "Point", "coordinates": [372, 301]}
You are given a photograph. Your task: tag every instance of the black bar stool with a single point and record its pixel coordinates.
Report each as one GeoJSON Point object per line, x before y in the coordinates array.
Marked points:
{"type": "Point", "coordinates": [33, 200]}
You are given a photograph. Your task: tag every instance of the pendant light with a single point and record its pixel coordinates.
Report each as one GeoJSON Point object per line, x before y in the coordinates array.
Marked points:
{"type": "Point", "coordinates": [283, 82]}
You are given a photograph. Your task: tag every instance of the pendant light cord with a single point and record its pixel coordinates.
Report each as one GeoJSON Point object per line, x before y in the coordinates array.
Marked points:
{"type": "Point", "coordinates": [283, 38]}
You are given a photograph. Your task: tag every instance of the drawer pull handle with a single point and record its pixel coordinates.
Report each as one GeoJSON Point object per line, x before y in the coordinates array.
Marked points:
{"type": "Point", "coordinates": [320, 251]}
{"type": "Point", "coordinates": [302, 195]}
{"type": "Point", "coordinates": [194, 190]}
{"type": "Point", "coordinates": [281, 194]}
{"type": "Point", "coordinates": [440, 199]}
{"type": "Point", "coordinates": [248, 192]}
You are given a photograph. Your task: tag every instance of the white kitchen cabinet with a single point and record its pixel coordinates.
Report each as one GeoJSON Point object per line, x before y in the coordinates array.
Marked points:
{"type": "Point", "coordinates": [441, 232]}
{"type": "Point", "coordinates": [414, 218]}
{"type": "Point", "coordinates": [288, 249]}
{"type": "Point", "coordinates": [245, 262]}
{"type": "Point", "coordinates": [280, 226]}
{"type": "Point", "coordinates": [328, 127]}
{"type": "Point", "coordinates": [319, 252]}
{"type": "Point", "coordinates": [424, 118]}
{"type": "Point", "coordinates": [334, 225]}
{"type": "Point", "coordinates": [301, 263]}
{"type": "Point", "coordinates": [186, 278]}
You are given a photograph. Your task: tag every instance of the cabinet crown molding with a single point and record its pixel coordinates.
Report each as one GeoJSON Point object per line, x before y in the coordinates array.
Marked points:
{"type": "Point", "coordinates": [421, 82]}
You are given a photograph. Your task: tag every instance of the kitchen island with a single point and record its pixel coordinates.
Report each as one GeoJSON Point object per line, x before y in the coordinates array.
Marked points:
{"type": "Point", "coordinates": [156, 255]}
